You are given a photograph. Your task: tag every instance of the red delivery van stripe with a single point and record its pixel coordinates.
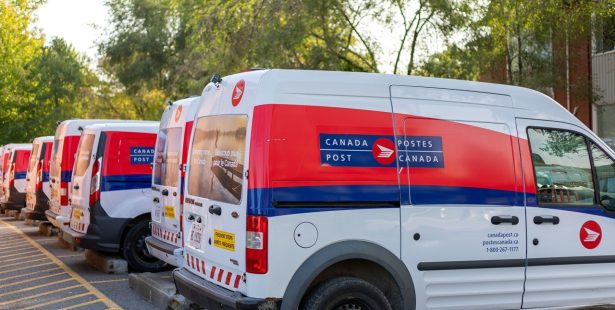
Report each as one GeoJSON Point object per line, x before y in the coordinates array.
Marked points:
{"type": "Point", "coordinates": [118, 153]}
{"type": "Point", "coordinates": [289, 150]}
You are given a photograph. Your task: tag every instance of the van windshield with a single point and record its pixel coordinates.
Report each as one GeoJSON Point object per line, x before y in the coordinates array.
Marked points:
{"type": "Point", "coordinates": [33, 157]}
{"type": "Point", "coordinates": [84, 154]}
{"type": "Point", "coordinates": [166, 171]}
{"type": "Point", "coordinates": [217, 156]}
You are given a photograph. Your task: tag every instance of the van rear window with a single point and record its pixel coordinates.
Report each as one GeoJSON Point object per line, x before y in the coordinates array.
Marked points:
{"type": "Point", "coordinates": [217, 157]}
{"type": "Point", "coordinates": [166, 170]}
{"type": "Point", "coordinates": [56, 156]}
{"type": "Point", "coordinates": [33, 157]}
{"type": "Point", "coordinates": [84, 154]}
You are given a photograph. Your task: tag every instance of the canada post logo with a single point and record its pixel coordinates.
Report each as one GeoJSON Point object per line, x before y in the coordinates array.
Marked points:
{"type": "Point", "coordinates": [141, 155]}
{"type": "Point", "coordinates": [340, 150]}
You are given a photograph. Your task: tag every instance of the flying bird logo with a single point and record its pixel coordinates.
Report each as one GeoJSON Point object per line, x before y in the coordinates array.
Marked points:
{"type": "Point", "coordinates": [592, 236]}
{"type": "Point", "coordinates": [385, 152]}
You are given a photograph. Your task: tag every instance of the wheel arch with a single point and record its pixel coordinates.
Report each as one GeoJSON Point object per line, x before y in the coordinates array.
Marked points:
{"type": "Point", "coordinates": [350, 258]}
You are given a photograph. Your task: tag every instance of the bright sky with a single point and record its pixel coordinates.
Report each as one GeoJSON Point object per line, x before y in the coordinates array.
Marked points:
{"type": "Point", "coordinates": [79, 22]}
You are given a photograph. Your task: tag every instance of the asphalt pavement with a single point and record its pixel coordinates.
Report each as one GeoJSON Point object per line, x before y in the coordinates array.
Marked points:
{"type": "Point", "coordinates": [38, 272]}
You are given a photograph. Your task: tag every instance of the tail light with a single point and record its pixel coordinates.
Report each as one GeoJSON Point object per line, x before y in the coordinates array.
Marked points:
{"type": "Point", "coordinates": [63, 193]}
{"type": "Point", "coordinates": [95, 183]}
{"type": "Point", "coordinates": [39, 175]}
{"type": "Point", "coordinates": [256, 244]}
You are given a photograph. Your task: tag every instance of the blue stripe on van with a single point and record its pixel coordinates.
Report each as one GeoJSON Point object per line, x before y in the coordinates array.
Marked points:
{"type": "Point", "coordinates": [66, 176]}
{"type": "Point", "coordinates": [260, 200]}
{"type": "Point", "coordinates": [126, 182]}
{"type": "Point", "coordinates": [45, 176]}
{"type": "Point", "coordinates": [20, 175]}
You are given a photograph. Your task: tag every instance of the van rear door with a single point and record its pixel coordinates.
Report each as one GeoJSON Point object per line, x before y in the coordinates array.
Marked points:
{"type": "Point", "coordinates": [215, 205]}
{"type": "Point", "coordinates": [80, 192]}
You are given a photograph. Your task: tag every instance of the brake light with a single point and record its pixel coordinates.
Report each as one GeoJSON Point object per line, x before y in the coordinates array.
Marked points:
{"type": "Point", "coordinates": [39, 175]}
{"type": "Point", "coordinates": [95, 183]}
{"type": "Point", "coordinates": [64, 193]}
{"type": "Point", "coordinates": [256, 244]}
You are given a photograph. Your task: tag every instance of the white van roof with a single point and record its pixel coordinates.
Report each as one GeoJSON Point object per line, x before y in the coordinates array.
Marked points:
{"type": "Point", "coordinates": [172, 118]}
{"type": "Point", "coordinates": [19, 146]}
{"type": "Point", "coordinates": [305, 86]}
{"type": "Point", "coordinates": [71, 127]}
{"type": "Point", "coordinates": [43, 139]}
{"type": "Point", "coordinates": [132, 126]}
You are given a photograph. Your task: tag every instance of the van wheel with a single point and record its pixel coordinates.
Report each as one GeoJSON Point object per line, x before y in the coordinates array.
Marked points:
{"type": "Point", "coordinates": [135, 250]}
{"type": "Point", "coordinates": [346, 293]}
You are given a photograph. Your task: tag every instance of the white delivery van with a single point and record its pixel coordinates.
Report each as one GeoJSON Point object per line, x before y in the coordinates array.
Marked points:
{"type": "Point", "coordinates": [111, 191]}
{"type": "Point", "coordinates": [166, 241]}
{"type": "Point", "coordinates": [37, 178]}
{"type": "Point", "coordinates": [15, 180]}
{"type": "Point", "coordinates": [65, 144]}
{"type": "Point", "coordinates": [332, 190]}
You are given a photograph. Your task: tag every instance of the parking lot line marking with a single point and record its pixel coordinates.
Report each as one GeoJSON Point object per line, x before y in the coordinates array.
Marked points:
{"type": "Point", "coordinates": [23, 246]}
{"type": "Point", "coordinates": [24, 268]}
{"type": "Point", "coordinates": [108, 281]}
{"type": "Point", "coordinates": [18, 258]}
{"type": "Point", "coordinates": [28, 280]}
{"type": "Point", "coordinates": [29, 252]}
{"type": "Point", "coordinates": [81, 305]}
{"type": "Point", "coordinates": [29, 274]}
{"type": "Point", "coordinates": [55, 301]}
{"type": "Point", "coordinates": [12, 242]}
{"type": "Point", "coordinates": [71, 255]}
{"type": "Point", "coordinates": [23, 262]}
{"type": "Point", "coordinates": [8, 302]}
{"type": "Point", "coordinates": [31, 288]}
{"type": "Point", "coordinates": [14, 249]}
{"type": "Point", "coordinates": [108, 302]}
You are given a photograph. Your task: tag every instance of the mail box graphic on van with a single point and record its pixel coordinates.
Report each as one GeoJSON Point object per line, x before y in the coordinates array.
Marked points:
{"type": "Point", "coordinates": [380, 151]}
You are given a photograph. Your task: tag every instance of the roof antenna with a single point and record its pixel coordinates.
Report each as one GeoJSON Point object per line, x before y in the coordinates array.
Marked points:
{"type": "Point", "coordinates": [169, 102]}
{"type": "Point", "coordinates": [216, 79]}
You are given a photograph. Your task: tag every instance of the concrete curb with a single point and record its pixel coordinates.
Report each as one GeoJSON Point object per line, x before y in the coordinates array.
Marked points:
{"type": "Point", "coordinates": [67, 241]}
{"type": "Point", "coordinates": [159, 289]}
{"type": "Point", "coordinates": [22, 214]}
{"type": "Point", "coordinates": [106, 263]}
{"type": "Point", "coordinates": [14, 214]}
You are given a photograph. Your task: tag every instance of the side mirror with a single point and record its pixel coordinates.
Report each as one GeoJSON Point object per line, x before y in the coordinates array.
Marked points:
{"type": "Point", "coordinates": [607, 202]}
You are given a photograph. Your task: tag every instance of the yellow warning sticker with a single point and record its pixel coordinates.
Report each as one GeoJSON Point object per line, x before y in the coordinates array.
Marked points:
{"type": "Point", "coordinates": [77, 214]}
{"type": "Point", "coordinates": [169, 212]}
{"type": "Point", "coordinates": [224, 240]}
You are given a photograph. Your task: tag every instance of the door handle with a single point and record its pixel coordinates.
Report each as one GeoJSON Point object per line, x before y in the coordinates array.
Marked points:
{"type": "Point", "coordinates": [546, 219]}
{"type": "Point", "coordinates": [156, 200]}
{"type": "Point", "coordinates": [76, 187]}
{"type": "Point", "coordinates": [497, 220]}
{"type": "Point", "coordinates": [165, 192]}
{"type": "Point", "coordinates": [215, 210]}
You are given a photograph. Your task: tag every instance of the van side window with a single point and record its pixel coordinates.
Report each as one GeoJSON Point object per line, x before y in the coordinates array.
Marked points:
{"type": "Point", "coordinates": [605, 175]}
{"type": "Point", "coordinates": [217, 157]}
{"type": "Point", "coordinates": [562, 167]}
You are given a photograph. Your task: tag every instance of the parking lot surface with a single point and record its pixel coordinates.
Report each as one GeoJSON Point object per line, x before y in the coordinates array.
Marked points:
{"type": "Point", "coordinates": [38, 272]}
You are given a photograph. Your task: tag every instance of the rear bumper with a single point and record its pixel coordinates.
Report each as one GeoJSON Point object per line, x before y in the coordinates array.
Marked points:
{"type": "Point", "coordinates": [166, 252]}
{"type": "Point", "coordinates": [212, 296]}
{"type": "Point", "coordinates": [52, 217]}
{"type": "Point", "coordinates": [93, 241]}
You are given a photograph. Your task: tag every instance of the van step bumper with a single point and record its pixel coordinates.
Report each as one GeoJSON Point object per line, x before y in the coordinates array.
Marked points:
{"type": "Point", "coordinates": [212, 296]}
{"type": "Point", "coordinates": [169, 253]}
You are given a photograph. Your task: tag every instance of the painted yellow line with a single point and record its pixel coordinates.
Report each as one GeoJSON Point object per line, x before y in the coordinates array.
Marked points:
{"type": "Point", "coordinates": [19, 258]}
{"type": "Point", "coordinates": [28, 274]}
{"type": "Point", "coordinates": [27, 252]}
{"type": "Point", "coordinates": [30, 280]}
{"type": "Point", "coordinates": [23, 262]}
{"type": "Point", "coordinates": [71, 255]}
{"type": "Point", "coordinates": [8, 302]}
{"type": "Point", "coordinates": [108, 302]}
{"type": "Point", "coordinates": [108, 281]}
{"type": "Point", "coordinates": [19, 269]}
{"type": "Point", "coordinates": [55, 301]}
{"type": "Point", "coordinates": [12, 242]}
{"type": "Point", "coordinates": [31, 288]}
{"type": "Point", "coordinates": [15, 249]}
{"type": "Point", "coordinates": [81, 305]}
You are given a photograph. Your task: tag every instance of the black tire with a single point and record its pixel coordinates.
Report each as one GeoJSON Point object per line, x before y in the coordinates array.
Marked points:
{"type": "Point", "coordinates": [346, 293]}
{"type": "Point", "coordinates": [135, 250]}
